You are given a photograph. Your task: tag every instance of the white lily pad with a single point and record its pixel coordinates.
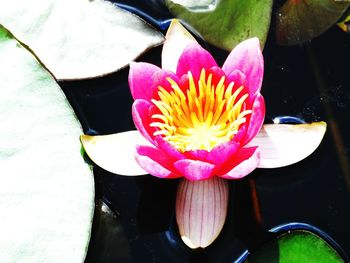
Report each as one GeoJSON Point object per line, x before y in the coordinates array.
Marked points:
{"type": "Point", "coordinates": [46, 190]}
{"type": "Point", "coordinates": [115, 152]}
{"type": "Point", "coordinates": [285, 144]}
{"type": "Point", "coordinates": [78, 39]}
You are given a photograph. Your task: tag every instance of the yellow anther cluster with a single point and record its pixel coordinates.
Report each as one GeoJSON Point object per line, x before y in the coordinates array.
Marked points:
{"type": "Point", "coordinates": [202, 116]}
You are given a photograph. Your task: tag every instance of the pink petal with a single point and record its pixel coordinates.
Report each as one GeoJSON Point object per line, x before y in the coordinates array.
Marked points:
{"type": "Point", "coordinates": [194, 58]}
{"type": "Point", "coordinates": [142, 119]}
{"type": "Point", "coordinates": [241, 164]}
{"type": "Point", "coordinates": [256, 119]}
{"type": "Point", "coordinates": [160, 80]}
{"type": "Point", "coordinates": [155, 162]}
{"type": "Point", "coordinates": [201, 208]}
{"type": "Point", "coordinates": [141, 79]}
{"type": "Point", "coordinates": [221, 153]}
{"type": "Point", "coordinates": [200, 155]}
{"type": "Point", "coordinates": [194, 170]}
{"type": "Point", "coordinates": [247, 57]}
{"type": "Point", "coordinates": [168, 148]}
{"type": "Point", "coordinates": [238, 78]}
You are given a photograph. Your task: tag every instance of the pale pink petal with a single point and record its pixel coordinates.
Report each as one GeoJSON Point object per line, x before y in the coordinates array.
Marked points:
{"type": "Point", "coordinates": [238, 78]}
{"type": "Point", "coordinates": [256, 119]}
{"type": "Point", "coordinates": [141, 79]}
{"type": "Point", "coordinates": [142, 119]}
{"type": "Point", "coordinates": [241, 164]}
{"type": "Point", "coordinates": [194, 170]}
{"type": "Point", "coordinates": [155, 162]}
{"type": "Point", "coordinates": [201, 208]}
{"type": "Point", "coordinates": [194, 58]}
{"type": "Point", "coordinates": [247, 57]}
{"type": "Point", "coordinates": [245, 167]}
{"type": "Point", "coordinates": [285, 144]}
{"type": "Point", "coordinates": [221, 153]}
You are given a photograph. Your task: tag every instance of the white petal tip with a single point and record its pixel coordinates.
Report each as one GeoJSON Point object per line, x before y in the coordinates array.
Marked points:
{"type": "Point", "coordinates": [115, 152]}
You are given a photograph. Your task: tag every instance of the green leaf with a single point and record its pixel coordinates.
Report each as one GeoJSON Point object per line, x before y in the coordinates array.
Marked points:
{"type": "Point", "coordinates": [78, 38]}
{"type": "Point", "coordinates": [297, 246]}
{"type": "Point", "coordinates": [344, 24]}
{"type": "Point", "coordinates": [46, 190]}
{"type": "Point", "coordinates": [225, 23]}
{"type": "Point", "coordinates": [299, 21]}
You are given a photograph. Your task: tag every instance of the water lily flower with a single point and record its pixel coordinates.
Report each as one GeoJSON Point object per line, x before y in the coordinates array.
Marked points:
{"type": "Point", "coordinates": [200, 119]}
{"type": "Point", "coordinates": [204, 123]}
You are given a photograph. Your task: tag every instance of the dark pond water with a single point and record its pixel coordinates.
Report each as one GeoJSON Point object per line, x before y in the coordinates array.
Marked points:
{"type": "Point", "coordinates": [134, 219]}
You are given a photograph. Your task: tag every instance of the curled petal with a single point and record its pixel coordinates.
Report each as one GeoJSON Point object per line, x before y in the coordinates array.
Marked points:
{"type": "Point", "coordinates": [243, 163]}
{"type": "Point", "coordinates": [284, 144]}
{"type": "Point", "coordinates": [194, 170]}
{"type": "Point", "coordinates": [141, 79]}
{"type": "Point", "coordinates": [201, 208]}
{"type": "Point", "coordinates": [194, 58]}
{"type": "Point", "coordinates": [247, 58]}
{"type": "Point", "coordinates": [153, 161]}
{"type": "Point", "coordinates": [141, 118]}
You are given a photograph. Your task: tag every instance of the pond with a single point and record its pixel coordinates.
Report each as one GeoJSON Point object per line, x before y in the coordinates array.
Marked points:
{"type": "Point", "coordinates": [134, 218]}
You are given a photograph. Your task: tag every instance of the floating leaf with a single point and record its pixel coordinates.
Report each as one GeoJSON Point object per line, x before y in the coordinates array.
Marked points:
{"type": "Point", "coordinates": [115, 152]}
{"type": "Point", "coordinates": [344, 24]}
{"type": "Point", "coordinates": [225, 23]}
{"type": "Point", "coordinates": [297, 246]}
{"type": "Point", "coordinates": [46, 190]}
{"type": "Point", "coordinates": [78, 38]}
{"type": "Point", "coordinates": [299, 21]}
{"type": "Point", "coordinates": [285, 144]}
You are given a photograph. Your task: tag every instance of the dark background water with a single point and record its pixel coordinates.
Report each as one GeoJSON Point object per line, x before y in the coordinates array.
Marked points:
{"type": "Point", "coordinates": [134, 218]}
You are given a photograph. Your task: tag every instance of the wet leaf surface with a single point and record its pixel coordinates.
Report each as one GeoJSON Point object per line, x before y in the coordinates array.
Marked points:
{"type": "Point", "coordinates": [46, 190]}
{"type": "Point", "coordinates": [299, 21]}
{"type": "Point", "coordinates": [79, 39]}
{"type": "Point", "coordinates": [297, 246]}
{"type": "Point", "coordinates": [225, 23]}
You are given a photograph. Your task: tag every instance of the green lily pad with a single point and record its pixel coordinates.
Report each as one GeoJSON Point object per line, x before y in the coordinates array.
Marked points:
{"type": "Point", "coordinates": [344, 23]}
{"type": "Point", "coordinates": [78, 39]}
{"type": "Point", "coordinates": [46, 190]}
{"type": "Point", "coordinates": [297, 246]}
{"type": "Point", "coordinates": [225, 23]}
{"type": "Point", "coordinates": [299, 21]}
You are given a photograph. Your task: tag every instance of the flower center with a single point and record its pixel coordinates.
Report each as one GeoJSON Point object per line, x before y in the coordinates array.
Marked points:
{"type": "Point", "coordinates": [200, 117]}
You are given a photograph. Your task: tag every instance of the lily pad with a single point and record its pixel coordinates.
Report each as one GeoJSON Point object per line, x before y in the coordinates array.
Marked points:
{"type": "Point", "coordinates": [46, 190]}
{"type": "Point", "coordinates": [78, 39]}
{"type": "Point", "coordinates": [225, 23]}
{"type": "Point", "coordinates": [299, 21]}
{"type": "Point", "coordinates": [297, 246]}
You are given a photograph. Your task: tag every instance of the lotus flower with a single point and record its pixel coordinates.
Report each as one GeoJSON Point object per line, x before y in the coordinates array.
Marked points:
{"type": "Point", "coordinates": [203, 123]}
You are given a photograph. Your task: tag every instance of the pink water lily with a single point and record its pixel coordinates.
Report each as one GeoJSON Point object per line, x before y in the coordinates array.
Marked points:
{"type": "Point", "coordinates": [200, 118]}
{"type": "Point", "coordinates": [204, 123]}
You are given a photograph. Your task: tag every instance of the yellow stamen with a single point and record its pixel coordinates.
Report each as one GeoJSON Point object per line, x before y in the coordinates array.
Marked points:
{"type": "Point", "coordinates": [202, 116]}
